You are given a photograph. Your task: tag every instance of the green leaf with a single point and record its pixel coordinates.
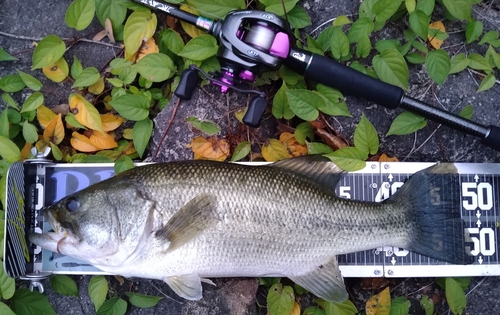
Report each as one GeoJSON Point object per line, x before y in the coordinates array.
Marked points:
{"type": "Point", "coordinates": [289, 76]}
{"type": "Point", "coordinates": [313, 310]}
{"type": "Point", "coordinates": [217, 8]}
{"type": "Point", "coordinates": [491, 37]}
{"type": "Point", "coordinates": [363, 48]}
{"type": "Point", "coordinates": [79, 14]}
{"type": "Point", "coordinates": [415, 58]}
{"type": "Point", "coordinates": [317, 148]}
{"type": "Point", "coordinates": [64, 285]}
{"type": "Point", "coordinates": [5, 56]}
{"type": "Point", "coordinates": [14, 116]}
{"type": "Point", "coordinates": [72, 121]}
{"type": "Point", "coordinates": [427, 304]}
{"type": "Point", "coordinates": [341, 20]}
{"type": "Point", "coordinates": [302, 131]}
{"type": "Point", "coordinates": [280, 300]}
{"type": "Point", "coordinates": [304, 103]}
{"type": "Point", "coordinates": [400, 306]}
{"type": "Point", "coordinates": [9, 101]}
{"type": "Point", "coordinates": [155, 67]}
{"type": "Point", "coordinates": [241, 151]}
{"type": "Point", "coordinates": [426, 6]}
{"type": "Point", "coordinates": [141, 135]}
{"type": "Point", "coordinates": [200, 48]}
{"type": "Point", "coordinates": [420, 47]}
{"type": "Point", "coordinates": [7, 284]}
{"type": "Point", "coordinates": [384, 10]}
{"type": "Point", "coordinates": [349, 159]}
{"type": "Point", "coordinates": [33, 101]}
{"type": "Point", "coordinates": [460, 9]}
{"type": "Point", "coordinates": [281, 106]}
{"type": "Point", "coordinates": [276, 7]}
{"type": "Point", "coordinates": [4, 123]}
{"type": "Point", "coordinates": [123, 164]}
{"type": "Point", "coordinates": [360, 29]}
{"type": "Point", "coordinates": [140, 25]}
{"type": "Point", "coordinates": [419, 23]}
{"type": "Point", "coordinates": [48, 51]}
{"type": "Point", "coordinates": [458, 63]}
{"type": "Point", "coordinates": [131, 107]}
{"type": "Point", "coordinates": [366, 137]}
{"type": "Point", "coordinates": [455, 296]}
{"type": "Point", "coordinates": [114, 10]}
{"type": "Point", "coordinates": [172, 41]}
{"type": "Point", "coordinates": [406, 123]}
{"type": "Point", "coordinates": [30, 81]}
{"type": "Point", "coordinates": [344, 308]}
{"type": "Point", "coordinates": [87, 77]}
{"type": "Point", "coordinates": [56, 152]}
{"type": "Point", "coordinates": [30, 133]}
{"type": "Point", "coordinates": [27, 302]}
{"type": "Point", "coordinates": [493, 57]}
{"type": "Point", "coordinates": [478, 62]}
{"type": "Point", "coordinates": [269, 281]}
{"type": "Point", "coordinates": [142, 300]}
{"type": "Point", "coordinates": [339, 44]}
{"type": "Point", "coordinates": [384, 44]}
{"type": "Point", "coordinates": [473, 30]}
{"type": "Point", "coordinates": [113, 306]}
{"type": "Point", "coordinates": [391, 67]}
{"type": "Point", "coordinates": [298, 18]}
{"type": "Point", "coordinates": [5, 310]}
{"type": "Point", "coordinates": [487, 83]}
{"type": "Point", "coordinates": [410, 5]}
{"type": "Point", "coordinates": [467, 112]}
{"type": "Point", "coordinates": [76, 68]}
{"type": "Point", "coordinates": [98, 289]}
{"type": "Point", "coordinates": [206, 126]}
{"type": "Point", "coordinates": [12, 83]}
{"type": "Point", "coordinates": [438, 65]}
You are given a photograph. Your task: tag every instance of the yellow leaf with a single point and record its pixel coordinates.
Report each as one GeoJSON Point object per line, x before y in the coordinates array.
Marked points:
{"type": "Point", "coordinates": [57, 71]}
{"type": "Point", "coordinates": [82, 143]}
{"type": "Point", "coordinates": [111, 122]}
{"type": "Point", "coordinates": [148, 47]}
{"type": "Point", "coordinates": [54, 132]}
{"type": "Point", "coordinates": [295, 309]}
{"type": "Point", "coordinates": [139, 27]}
{"type": "Point", "coordinates": [209, 149]}
{"type": "Point", "coordinates": [385, 158]}
{"type": "Point", "coordinates": [127, 134]}
{"type": "Point", "coordinates": [190, 29]}
{"type": "Point", "coordinates": [85, 113]}
{"type": "Point", "coordinates": [379, 304]}
{"type": "Point", "coordinates": [436, 43]}
{"type": "Point", "coordinates": [97, 87]}
{"type": "Point", "coordinates": [294, 148]}
{"type": "Point", "coordinates": [102, 141]}
{"type": "Point", "coordinates": [274, 151]}
{"type": "Point", "coordinates": [239, 114]}
{"type": "Point", "coordinates": [44, 115]}
{"type": "Point", "coordinates": [106, 100]}
{"type": "Point", "coordinates": [25, 152]}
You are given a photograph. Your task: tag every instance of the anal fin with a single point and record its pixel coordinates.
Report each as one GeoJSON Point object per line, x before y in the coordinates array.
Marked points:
{"type": "Point", "coordinates": [325, 281]}
{"type": "Point", "coordinates": [187, 286]}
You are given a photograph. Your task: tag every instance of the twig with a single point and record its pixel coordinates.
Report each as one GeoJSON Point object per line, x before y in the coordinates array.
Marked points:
{"type": "Point", "coordinates": [477, 285]}
{"type": "Point", "coordinates": [36, 39]}
{"type": "Point", "coordinates": [168, 297]}
{"type": "Point", "coordinates": [166, 129]}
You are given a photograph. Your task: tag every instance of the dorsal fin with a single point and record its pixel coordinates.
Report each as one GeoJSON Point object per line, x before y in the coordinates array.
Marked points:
{"type": "Point", "coordinates": [315, 167]}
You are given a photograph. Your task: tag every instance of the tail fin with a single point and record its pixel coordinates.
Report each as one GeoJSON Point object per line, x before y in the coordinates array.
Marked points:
{"type": "Point", "coordinates": [437, 229]}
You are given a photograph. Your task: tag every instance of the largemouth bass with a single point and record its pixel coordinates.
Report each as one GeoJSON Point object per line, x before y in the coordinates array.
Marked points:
{"type": "Point", "coordinates": [185, 222]}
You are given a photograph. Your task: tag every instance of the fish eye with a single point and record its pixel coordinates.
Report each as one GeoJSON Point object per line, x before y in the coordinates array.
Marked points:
{"type": "Point", "coordinates": [72, 204]}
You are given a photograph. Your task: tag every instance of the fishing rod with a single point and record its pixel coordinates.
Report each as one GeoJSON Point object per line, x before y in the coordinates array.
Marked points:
{"type": "Point", "coordinates": [252, 42]}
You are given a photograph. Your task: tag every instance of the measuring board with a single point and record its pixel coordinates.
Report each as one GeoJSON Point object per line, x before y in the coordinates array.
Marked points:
{"type": "Point", "coordinates": [31, 186]}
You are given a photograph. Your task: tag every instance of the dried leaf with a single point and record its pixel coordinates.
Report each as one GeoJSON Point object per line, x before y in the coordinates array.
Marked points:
{"type": "Point", "coordinates": [434, 41]}
{"type": "Point", "coordinates": [99, 36]}
{"type": "Point", "coordinates": [293, 146]}
{"type": "Point", "coordinates": [147, 48]}
{"type": "Point", "coordinates": [26, 151]}
{"type": "Point", "coordinates": [61, 109]}
{"type": "Point", "coordinates": [210, 149]}
{"type": "Point", "coordinates": [44, 115]}
{"type": "Point", "coordinates": [109, 30]}
{"type": "Point", "coordinates": [85, 112]}
{"type": "Point", "coordinates": [379, 304]}
{"type": "Point", "coordinates": [82, 143]}
{"type": "Point", "coordinates": [331, 140]}
{"type": "Point", "coordinates": [385, 158]}
{"type": "Point", "coordinates": [102, 140]}
{"type": "Point", "coordinates": [54, 132]}
{"type": "Point", "coordinates": [110, 122]}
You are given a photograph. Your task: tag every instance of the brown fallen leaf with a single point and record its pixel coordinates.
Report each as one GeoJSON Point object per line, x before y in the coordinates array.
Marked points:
{"type": "Point", "coordinates": [331, 140]}
{"type": "Point", "coordinates": [385, 158]}
{"type": "Point", "coordinates": [209, 149]}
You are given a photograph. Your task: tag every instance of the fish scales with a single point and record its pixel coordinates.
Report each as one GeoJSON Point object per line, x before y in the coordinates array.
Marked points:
{"type": "Point", "coordinates": [187, 221]}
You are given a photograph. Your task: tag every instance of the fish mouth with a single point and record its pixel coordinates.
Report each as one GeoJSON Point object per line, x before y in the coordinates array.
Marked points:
{"type": "Point", "coordinates": [51, 240]}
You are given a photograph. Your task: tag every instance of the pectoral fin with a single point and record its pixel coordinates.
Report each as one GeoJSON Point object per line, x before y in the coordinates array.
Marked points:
{"type": "Point", "coordinates": [325, 281]}
{"type": "Point", "coordinates": [192, 219]}
{"type": "Point", "coordinates": [186, 286]}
